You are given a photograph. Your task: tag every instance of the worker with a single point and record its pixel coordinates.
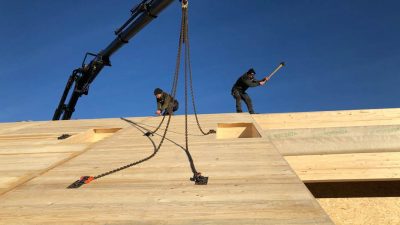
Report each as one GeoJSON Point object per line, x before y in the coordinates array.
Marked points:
{"type": "Point", "coordinates": [163, 103]}
{"type": "Point", "coordinates": [242, 84]}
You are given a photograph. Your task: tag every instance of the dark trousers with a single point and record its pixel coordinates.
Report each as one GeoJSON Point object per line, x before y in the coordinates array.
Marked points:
{"type": "Point", "coordinates": [174, 108]}
{"type": "Point", "coordinates": [239, 96]}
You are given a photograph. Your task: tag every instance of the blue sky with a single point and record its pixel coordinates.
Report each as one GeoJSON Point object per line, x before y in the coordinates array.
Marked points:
{"type": "Point", "coordinates": [340, 54]}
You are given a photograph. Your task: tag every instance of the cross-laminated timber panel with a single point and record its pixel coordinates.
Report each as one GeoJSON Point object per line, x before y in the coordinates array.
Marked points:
{"type": "Point", "coordinates": [250, 182]}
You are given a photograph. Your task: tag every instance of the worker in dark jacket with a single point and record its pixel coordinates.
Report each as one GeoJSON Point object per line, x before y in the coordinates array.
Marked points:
{"type": "Point", "coordinates": [242, 84]}
{"type": "Point", "coordinates": [163, 103]}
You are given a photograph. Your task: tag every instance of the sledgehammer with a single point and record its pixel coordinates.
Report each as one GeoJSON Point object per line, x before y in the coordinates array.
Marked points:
{"type": "Point", "coordinates": [282, 64]}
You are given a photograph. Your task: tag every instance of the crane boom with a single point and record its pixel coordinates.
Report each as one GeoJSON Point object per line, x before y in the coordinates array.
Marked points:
{"type": "Point", "coordinates": [142, 14]}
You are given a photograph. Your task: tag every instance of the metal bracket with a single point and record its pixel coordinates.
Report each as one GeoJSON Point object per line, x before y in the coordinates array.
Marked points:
{"type": "Point", "coordinates": [212, 131]}
{"type": "Point", "coordinates": [148, 133]}
{"type": "Point", "coordinates": [147, 9]}
{"type": "Point", "coordinates": [64, 136]}
{"type": "Point", "coordinates": [80, 182]}
{"type": "Point", "coordinates": [185, 4]}
{"type": "Point", "coordinates": [198, 179]}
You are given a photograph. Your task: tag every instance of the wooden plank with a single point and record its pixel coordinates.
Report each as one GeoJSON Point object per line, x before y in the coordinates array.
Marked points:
{"type": "Point", "coordinates": [347, 167]}
{"type": "Point", "coordinates": [336, 140]}
{"type": "Point", "coordinates": [18, 169]}
{"type": "Point", "coordinates": [12, 127]}
{"type": "Point", "coordinates": [345, 118]}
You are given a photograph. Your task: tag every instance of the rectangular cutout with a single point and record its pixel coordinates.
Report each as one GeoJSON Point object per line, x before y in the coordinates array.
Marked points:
{"type": "Point", "coordinates": [237, 130]}
{"type": "Point", "coordinates": [92, 135]}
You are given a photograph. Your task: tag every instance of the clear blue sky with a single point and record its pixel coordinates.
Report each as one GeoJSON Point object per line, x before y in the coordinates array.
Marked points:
{"type": "Point", "coordinates": [340, 54]}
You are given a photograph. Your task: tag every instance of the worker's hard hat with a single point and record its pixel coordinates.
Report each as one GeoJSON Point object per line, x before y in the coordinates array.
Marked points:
{"type": "Point", "coordinates": [157, 91]}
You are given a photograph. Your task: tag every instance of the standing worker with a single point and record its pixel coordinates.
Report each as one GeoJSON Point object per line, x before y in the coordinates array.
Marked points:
{"type": "Point", "coordinates": [163, 103]}
{"type": "Point", "coordinates": [242, 84]}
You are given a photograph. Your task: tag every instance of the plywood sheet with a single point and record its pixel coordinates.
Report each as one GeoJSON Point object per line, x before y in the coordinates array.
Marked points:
{"type": "Point", "coordinates": [363, 211]}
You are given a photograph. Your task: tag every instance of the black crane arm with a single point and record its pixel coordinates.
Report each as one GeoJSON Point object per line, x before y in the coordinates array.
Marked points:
{"type": "Point", "coordinates": [142, 14]}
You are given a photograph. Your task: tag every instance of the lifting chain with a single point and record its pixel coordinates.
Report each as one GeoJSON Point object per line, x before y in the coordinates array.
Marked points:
{"type": "Point", "coordinates": [188, 64]}
{"type": "Point", "coordinates": [197, 177]}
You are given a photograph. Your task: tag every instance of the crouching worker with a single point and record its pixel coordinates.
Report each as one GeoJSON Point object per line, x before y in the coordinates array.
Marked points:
{"type": "Point", "coordinates": [163, 102]}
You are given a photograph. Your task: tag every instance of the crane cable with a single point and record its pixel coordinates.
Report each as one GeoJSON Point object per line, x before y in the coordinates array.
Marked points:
{"type": "Point", "coordinates": [197, 177]}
